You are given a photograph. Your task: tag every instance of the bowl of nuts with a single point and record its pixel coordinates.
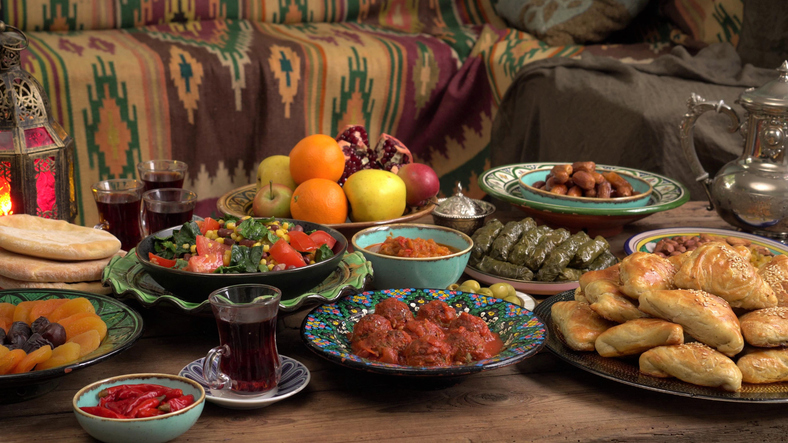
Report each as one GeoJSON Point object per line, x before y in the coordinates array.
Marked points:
{"type": "Point", "coordinates": [582, 185]}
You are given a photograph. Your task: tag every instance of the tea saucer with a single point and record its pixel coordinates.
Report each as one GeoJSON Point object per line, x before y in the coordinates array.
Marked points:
{"type": "Point", "coordinates": [295, 377]}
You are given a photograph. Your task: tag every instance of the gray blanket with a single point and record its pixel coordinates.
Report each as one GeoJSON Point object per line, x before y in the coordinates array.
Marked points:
{"type": "Point", "coordinates": [610, 112]}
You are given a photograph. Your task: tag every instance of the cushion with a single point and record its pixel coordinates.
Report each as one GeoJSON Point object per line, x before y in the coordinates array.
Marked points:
{"type": "Point", "coordinates": [566, 22]}
{"type": "Point", "coordinates": [707, 21]}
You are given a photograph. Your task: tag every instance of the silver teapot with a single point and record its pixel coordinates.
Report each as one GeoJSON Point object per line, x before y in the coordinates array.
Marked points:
{"type": "Point", "coordinates": [750, 192]}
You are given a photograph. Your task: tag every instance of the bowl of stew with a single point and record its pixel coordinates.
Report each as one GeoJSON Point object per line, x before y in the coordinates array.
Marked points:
{"type": "Point", "coordinates": [412, 255]}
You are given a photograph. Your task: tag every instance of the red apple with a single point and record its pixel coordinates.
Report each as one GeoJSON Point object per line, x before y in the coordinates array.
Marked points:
{"type": "Point", "coordinates": [272, 201]}
{"type": "Point", "coordinates": [421, 183]}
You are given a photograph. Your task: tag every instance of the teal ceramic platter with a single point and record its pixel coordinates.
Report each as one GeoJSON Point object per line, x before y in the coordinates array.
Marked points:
{"type": "Point", "coordinates": [503, 183]}
{"type": "Point", "coordinates": [325, 329]}
{"type": "Point", "coordinates": [129, 280]}
{"type": "Point", "coordinates": [124, 327]}
{"type": "Point", "coordinates": [626, 371]}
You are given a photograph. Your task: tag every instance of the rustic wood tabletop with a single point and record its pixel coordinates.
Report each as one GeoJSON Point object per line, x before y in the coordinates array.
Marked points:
{"type": "Point", "coordinates": [540, 399]}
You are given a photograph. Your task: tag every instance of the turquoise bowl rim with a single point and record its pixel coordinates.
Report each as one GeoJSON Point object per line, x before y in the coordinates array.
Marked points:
{"type": "Point", "coordinates": [357, 236]}
{"type": "Point", "coordinates": [635, 201]}
{"type": "Point", "coordinates": [195, 408]}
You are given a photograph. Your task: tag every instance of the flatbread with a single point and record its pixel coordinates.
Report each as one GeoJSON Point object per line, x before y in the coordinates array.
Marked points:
{"type": "Point", "coordinates": [34, 269]}
{"type": "Point", "coordinates": [55, 239]}
{"type": "Point", "coordinates": [94, 287]}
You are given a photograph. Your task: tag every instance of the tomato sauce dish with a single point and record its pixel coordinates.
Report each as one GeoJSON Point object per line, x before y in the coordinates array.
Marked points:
{"type": "Point", "coordinates": [337, 332]}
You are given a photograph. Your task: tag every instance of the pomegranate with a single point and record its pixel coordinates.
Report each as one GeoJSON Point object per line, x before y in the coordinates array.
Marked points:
{"type": "Point", "coordinates": [389, 153]}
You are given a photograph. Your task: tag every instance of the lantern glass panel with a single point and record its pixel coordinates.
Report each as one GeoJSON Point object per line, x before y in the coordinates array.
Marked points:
{"type": "Point", "coordinates": [37, 137]}
{"type": "Point", "coordinates": [6, 140]}
{"type": "Point", "coordinates": [45, 186]}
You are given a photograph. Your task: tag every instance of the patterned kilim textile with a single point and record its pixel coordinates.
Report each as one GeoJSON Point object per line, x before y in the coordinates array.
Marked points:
{"type": "Point", "coordinates": [223, 84]}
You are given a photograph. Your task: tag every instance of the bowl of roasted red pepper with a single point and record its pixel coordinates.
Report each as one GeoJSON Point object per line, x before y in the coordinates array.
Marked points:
{"type": "Point", "coordinates": [146, 408]}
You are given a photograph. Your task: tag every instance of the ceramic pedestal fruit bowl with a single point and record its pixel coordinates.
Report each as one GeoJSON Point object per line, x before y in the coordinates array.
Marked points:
{"type": "Point", "coordinates": [155, 429]}
{"type": "Point", "coordinates": [419, 272]}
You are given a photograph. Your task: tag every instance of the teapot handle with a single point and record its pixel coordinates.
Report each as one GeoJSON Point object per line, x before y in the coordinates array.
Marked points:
{"type": "Point", "coordinates": [696, 106]}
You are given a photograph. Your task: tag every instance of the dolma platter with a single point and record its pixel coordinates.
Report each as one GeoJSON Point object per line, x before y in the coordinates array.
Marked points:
{"type": "Point", "coordinates": [528, 287]}
{"type": "Point", "coordinates": [628, 373]}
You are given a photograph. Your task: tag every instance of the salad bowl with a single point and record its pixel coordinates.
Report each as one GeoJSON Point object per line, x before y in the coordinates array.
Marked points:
{"type": "Point", "coordinates": [196, 286]}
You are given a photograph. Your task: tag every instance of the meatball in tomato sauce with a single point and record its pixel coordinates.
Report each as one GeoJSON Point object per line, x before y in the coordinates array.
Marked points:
{"type": "Point", "coordinates": [428, 351]}
{"type": "Point", "coordinates": [422, 328]}
{"type": "Point", "coordinates": [438, 311]}
{"type": "Point", "coordinates": [395, 311]}
{"type": "Point", "coordinates": [472, 323]}
{"type": "Point", "coordinates": [369, 324]}
{"type": "Point", "coordinates": [383, 346]}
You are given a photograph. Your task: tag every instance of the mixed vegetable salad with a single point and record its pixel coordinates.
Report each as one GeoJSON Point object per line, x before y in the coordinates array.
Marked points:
{"type": "Point", "coordinates": [230, 245]}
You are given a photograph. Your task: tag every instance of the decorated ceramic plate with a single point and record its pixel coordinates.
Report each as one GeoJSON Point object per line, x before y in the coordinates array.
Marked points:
{"type": "Point", "coordinates": [238, 202]}
{"type": "Point", "coordinates": [325, 329]}
{"type": "Point", "coordinates": [530, 287]}
{"type": "Point", "coordinates": [129, 280]}
{"type": "Point", "coordinates": [295, 377]}
{"type": "Point", "coordinates": [124, 327]}
{"type": "Point", "coordinates": [646, 241]}
{"type": "Point", "coordinates": [503, 183]}
{"type": "Point", "coordinates": [627, 371]}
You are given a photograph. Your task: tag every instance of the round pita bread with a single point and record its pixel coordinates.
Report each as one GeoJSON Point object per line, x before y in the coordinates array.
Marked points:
{"type": "Point", "coordinates": [55, 239]}
{"type": "Point", "coordinates": [94, 287]}
{"type": "Point", "coordinates": [34, 269]}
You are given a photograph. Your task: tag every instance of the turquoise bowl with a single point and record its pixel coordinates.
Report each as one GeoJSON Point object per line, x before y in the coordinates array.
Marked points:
{"type": "Point", "coordinates": [402, 272]}
{"type": "Point", "coordinates": [642, 187]}
{"type": "Point", "coordinates": [157, 429]}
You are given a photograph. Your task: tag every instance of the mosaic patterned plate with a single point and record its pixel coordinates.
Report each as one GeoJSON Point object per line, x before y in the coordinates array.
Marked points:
{"type": "Point", "coordinates": [502, 183]}
{"type": "Point", "coordinates": [124, 327]}
{"type": "Point", "coordinates": [627, 372]}
{"type": "Point", "coordinates": [129, 280]}
{"type": "Point", "coordinates": [647, 241]}
{"type": "Point", "coordinates": [325, 329]}
{"type": "Point", "coordinates": [295, 377]}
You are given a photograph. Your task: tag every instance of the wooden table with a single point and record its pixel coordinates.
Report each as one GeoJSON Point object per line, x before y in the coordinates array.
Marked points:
{"type": "Point", "coordinates": [539, 399]}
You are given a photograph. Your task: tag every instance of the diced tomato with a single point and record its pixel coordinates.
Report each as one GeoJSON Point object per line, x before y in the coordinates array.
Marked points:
{"type": "Point", "coordinates": [156, 260]}
{"type": "Point", "coordinates": [208, 224]}
{"type": "Point", "coordinates": [282, 252]}
{"type": "Point", "coordinates": [205, 263]}
{"type": "Point", "coordinates": [302, 242]}
{"type": "Point", "coordinates": [207, 246]}
{"type": "Point", "coordinates": [322, 238]}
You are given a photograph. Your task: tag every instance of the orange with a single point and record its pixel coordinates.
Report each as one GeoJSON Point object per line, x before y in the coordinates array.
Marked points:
{"type": "Point", "coordinates": [319, 200]}
{"type": "Point", "coordinates": [317, 156]}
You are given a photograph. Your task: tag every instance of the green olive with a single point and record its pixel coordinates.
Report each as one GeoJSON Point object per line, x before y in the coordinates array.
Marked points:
{"type": "Point", "coordinates": [516, 300]}
{"type": "Point", "coordinates": [500, 290]}
{"type": "Point", "coordinates": [453, 287]}
{"type": "Point", "coordinates": [472, 284]}
{"type": "Point", "coordinates": [485, 291]}
{"type": "Point", "coordinates": [467, 289]}
{"type": "Point", "coordinates": [512, 291]}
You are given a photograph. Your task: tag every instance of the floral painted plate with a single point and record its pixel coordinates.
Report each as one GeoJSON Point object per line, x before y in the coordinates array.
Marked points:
{"type": "Point", "coordinates": [124, 327]}
{"type": "Point", "coordinates": [325, 329]}
{"type": "Point", "coordinates": [295, 377]}
{"type": "Point", "coordinates": [628, 372]}
{"type": "Point", "coordinates": [129, 280]}
{"type": "Point", "coordinates": [647, 241]}
{"type": "Point", "coordinates": [503, 183]}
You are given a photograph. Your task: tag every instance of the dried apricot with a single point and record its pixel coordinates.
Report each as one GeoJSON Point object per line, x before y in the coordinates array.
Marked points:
{"type": "Point", "coordinates": [10, 360]}
{"type": "Point", "coordinates": [22, 311]}
{"type": "Point", "coordinates": [62, 355]}
{"type": "Point", "coordinates": [73, 306]}
{"type": "Point", "coordinates": [72, 318]}
{"type": "Point", "coordinates": [40, 355]}
{"type": "Point", "coordinates": [3, 350]}
{"type": "Point", "coordinates": [85, 324]}
{"type": "Point", "coordinates": [7, 312]}
{"type": "Point", "coordinates": [44, 308]}
{"type": "Point", "coordinates": [88, 342]}
{"type": "Point", "coordinates": [5, 324]}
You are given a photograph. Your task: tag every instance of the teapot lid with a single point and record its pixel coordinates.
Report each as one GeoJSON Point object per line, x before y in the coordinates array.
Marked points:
{"type": "Point", "coordinates": [773, 94]}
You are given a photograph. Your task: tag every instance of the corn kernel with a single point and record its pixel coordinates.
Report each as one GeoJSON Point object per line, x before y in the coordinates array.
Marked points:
{"type": "Point", "coordinates": [266, 248]}
{"type": "Point", "coordinates": [311, 262]}
{"type": "Point", "coordinates": [263, 261]}
{"type": "Point", "coordinates": [270, 266]}
{"type": "Point", "coordinates": [221, 222]}
{"type": "Point", "coordinates": [230, 225]}
{"type": "Point", "coordinates": [220, 240]}
{"type": "Point", "coordinates": [246, 217]}
{"type": "Point", "coordinates": [193, 248]}
{"type": "Point", "coordinates": [285, 225]}
{"type": "Point", "coordinates": [256, 244]}
{"type": "Point", "coordinates": [226, 258]}
{"type": "Point", "coordinates": [185, 246]}
{"type": "Point", "coordinates": [280, 233]}
{"type": "Point", "coordinates": [287, 238]}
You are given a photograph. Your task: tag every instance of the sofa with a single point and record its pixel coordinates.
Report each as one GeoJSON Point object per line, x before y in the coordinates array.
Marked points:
{"type": "Point", "coordinates": [222, 84]}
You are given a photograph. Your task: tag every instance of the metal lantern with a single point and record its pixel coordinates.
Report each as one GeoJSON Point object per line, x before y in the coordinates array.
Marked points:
{"type": "Point", "coordinates": [36, 153]}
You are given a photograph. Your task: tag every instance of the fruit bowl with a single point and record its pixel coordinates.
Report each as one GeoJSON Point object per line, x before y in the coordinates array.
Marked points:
{"type": "Point", "coordinates": [238, 203]}
{"type": "Point", "coordinates": [195, 286]}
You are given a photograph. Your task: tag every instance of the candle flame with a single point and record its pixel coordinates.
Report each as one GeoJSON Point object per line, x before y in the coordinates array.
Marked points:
{"type": "Point", "coordinates": [5, 198]}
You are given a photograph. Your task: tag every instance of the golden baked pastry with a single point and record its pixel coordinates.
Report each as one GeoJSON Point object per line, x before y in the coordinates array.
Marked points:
{"type": "Point", "coordinates": [579, 325]}
{"type": "Point", "coordinates": [775, 274]}
{"type": "Point", "coordinates": [579, 296]}
{"type": "Point", "coordinates": [636, 336]}
{"type": "Point", "coordinates": [706, 317]}
{"type": "Point", "coordinates": [766, 328]}
{"type": "Point", "coordinates": [764, 366]}
{"type": "Point", "coordinates": [610, 273]}
{"type": "Point", "coordinates": [694, 363]}
{"type": "Point", "coordinates": [717, 268]}
{"type": "Point", "coordinates": [643, 271]}
{"type": "Point", "coordinates": [606, 299]}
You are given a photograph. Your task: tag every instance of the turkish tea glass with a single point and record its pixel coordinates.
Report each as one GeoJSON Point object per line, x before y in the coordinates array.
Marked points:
{"type": "Point", "coordinates": [247, 360]}
{"type": "Point", "coordinates": [118, 204]}
{"type": "Point", "coordinates": [157, 174]}
{"type": "Point", "coordinates": [165, 208]}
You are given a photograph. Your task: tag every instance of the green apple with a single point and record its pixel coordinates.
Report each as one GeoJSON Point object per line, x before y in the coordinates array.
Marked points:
{"type": "Point", "coordinates": [275, 168]}
{"type": "Point", "coordinates": [272, 201]}
{"type": "Point", "coordinates": [375, 194]}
